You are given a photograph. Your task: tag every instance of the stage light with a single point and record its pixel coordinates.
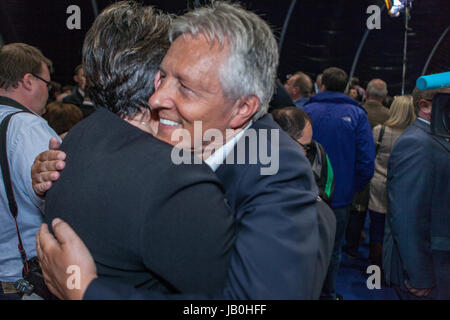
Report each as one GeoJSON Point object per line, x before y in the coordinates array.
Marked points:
{"type": "Point", "coordinates": [396, 6]}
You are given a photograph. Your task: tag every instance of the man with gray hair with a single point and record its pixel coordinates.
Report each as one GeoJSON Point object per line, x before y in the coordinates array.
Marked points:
{"type": "Point", "coordinates": [276, 246]}
{"type": "Point", "coordinates": [300, 87]}
{"type": "Point", "coordinates": [376, 92]}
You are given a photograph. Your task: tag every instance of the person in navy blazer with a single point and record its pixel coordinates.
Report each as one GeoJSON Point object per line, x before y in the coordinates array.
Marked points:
{"type": "Point", "coordinates": [276, 245]}
{"type": "Point", "coordinates": [416, 247]}
{"type": "Point", "coordinates": [274, 201]}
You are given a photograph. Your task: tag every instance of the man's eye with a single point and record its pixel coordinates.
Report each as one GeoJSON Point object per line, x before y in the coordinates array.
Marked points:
{"type": "Point", "coordinates": [160, 79]}
{"type": "Point", "coordinates": [184, 88]}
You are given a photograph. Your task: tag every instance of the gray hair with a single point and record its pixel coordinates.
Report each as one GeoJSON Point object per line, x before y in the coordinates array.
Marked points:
{"type": "Point", "coordinates": [377, 88]}
{"type": "Point", "coordinates": [253, 59]}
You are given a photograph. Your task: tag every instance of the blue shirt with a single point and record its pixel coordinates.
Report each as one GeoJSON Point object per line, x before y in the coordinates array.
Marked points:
{"type": "Point", "coordinates": [27, 136]}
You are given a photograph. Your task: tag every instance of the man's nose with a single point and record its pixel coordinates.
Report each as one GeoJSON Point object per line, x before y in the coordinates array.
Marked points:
{"type": "Point", "coordinates": [162, 97]}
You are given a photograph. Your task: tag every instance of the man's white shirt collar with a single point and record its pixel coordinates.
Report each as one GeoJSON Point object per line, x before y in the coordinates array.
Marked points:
{"type": "Point", "coordinates": [218, 157]}
{"type": "Point", "coordinates": [423, 120]}
{"type": "Point", "coordinates": [81, 92]}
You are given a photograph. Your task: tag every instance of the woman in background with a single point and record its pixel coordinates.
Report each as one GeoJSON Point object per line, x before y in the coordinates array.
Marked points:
{"type": "Point", "coordinates": [401, 115]}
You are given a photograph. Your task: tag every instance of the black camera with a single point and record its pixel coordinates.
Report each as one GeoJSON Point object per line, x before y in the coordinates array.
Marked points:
{"type": "Point", "coordinates": [33, 281]}
{"type": "Point", "coordinates": [440, 115]}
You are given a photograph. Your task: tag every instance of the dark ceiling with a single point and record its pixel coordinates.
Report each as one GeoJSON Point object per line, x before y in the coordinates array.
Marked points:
{"type": "Point", "coordinates": [321, 33]}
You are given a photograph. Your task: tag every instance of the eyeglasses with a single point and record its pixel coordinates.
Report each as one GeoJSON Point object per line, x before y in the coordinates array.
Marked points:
{"type": "Point", "coordinates": [307, 147]}
{"type": "Point", "coordinates": [48, 83]}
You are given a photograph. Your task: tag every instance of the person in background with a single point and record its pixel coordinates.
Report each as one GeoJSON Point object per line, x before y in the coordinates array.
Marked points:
{"type": "Point", "coordinates": [88, 106]}
{"type": "Point", "coordinates": [280, 98]}
{"type": "Point", "coordinates": [300, 87]}
{"type": "Point", "coordinates": [298, 125]}
{"type": "Point", "coordinates": [54, 92]}
{"type": "Point", "coordinates": [61, 117]}
{"type": "Point", "coordinates": [65, 91]}
{"type": "Point", "coordinates": [24, 85]}
{"type": "Point", "coordinates": [77, 95]}
{"type": "Point", "coordinates": [388, 101]}
{"type": "Point", "coordinates": [355, 90]}
{"type": "Point", "coordinates": [354, 93]}
{"type": "Point", "coordinates": [416, 244]}
{"type": "Point", "coordinates": [401, 115]}
{"type": "Point", "coordinates": [376, 92]}
{"type": "Point", "coordinates": [340, 124]}
{"type": "Point", "coordinates": [318, 83]}
{"type": "Point", "coordinates": [377, 114]}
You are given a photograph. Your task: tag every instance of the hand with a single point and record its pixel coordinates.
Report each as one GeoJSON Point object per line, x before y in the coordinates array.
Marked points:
{"type": "Point", "coordinates": [46, 166]}
{"type": "Point", "coordinates": [57, 254]}
{"type": "Point", "coordinates": [418, 292]}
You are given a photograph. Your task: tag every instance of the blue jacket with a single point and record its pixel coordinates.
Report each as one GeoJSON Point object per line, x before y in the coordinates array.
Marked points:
{"type": "Point", "coordinates": [340, 124]}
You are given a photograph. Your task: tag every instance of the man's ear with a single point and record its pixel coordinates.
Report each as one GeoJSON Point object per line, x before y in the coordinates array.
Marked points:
{"type": "Point", "coordinates": [322, 88]}
{"type": "Point", "coordinates": [245, 108]}
{"type": "Point", "coordinates": [75, 78]}
{"type": "Point", "coordinates": [27, 81]}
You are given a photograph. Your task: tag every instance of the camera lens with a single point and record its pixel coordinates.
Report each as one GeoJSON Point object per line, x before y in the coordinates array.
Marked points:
{"type": "Point", "coordinates": [446, 117]}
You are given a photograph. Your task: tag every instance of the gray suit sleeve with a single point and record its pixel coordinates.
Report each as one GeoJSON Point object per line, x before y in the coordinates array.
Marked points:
{"type": "Point", "coordinates": [409, 200]}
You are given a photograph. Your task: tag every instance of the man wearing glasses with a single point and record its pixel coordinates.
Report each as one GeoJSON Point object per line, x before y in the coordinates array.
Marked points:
{"type": "Point", "coordinates": [24, 86]}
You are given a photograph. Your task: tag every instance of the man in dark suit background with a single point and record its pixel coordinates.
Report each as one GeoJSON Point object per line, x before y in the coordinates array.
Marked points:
{"type": "Point", "coordinates": [416, 247]}
{"type": "Point", "coordinates": [77, 95]}
{"type": "Point", "coordinates": [276, 248]}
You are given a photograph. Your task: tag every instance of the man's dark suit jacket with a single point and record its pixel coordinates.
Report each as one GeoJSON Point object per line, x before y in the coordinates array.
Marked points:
{"type": "Point", "coordinates": [276, 247]}
{"type": "Point", "coordinates": [148, 222]}
{"type": "Point", "coordinates": [74, 98]}
{"type": "Point", "coordinates": [416, 245]}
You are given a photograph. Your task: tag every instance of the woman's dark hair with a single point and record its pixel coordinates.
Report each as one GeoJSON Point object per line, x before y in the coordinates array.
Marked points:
{"type": "Point", "coordinates": [121, 55]}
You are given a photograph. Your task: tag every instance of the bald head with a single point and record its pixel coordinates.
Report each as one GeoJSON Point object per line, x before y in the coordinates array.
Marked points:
{"type": "Point", "coordinates": [376, 90]}
{"type": "Point", "coordinates": [299, 85]}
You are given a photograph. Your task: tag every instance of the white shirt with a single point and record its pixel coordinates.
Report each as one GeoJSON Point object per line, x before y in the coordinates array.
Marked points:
{"type": "Point", "coordinates": [218, 157]}
{"type": "Point", "coordinates": [423, 120]}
